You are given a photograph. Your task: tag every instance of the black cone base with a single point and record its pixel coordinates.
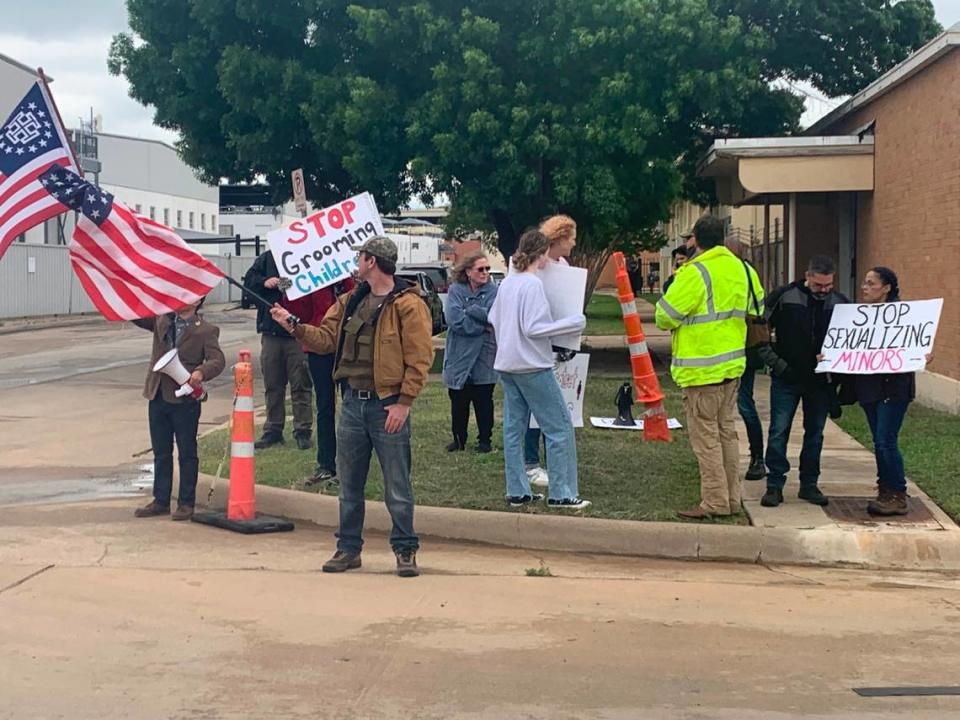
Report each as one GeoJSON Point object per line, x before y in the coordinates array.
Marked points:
{"type": "Point", "coordinates": [260, 524]}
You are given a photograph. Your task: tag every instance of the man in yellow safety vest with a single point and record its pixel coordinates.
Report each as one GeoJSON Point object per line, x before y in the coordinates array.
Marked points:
{"type": "Point", "coordinates": [705, 308]}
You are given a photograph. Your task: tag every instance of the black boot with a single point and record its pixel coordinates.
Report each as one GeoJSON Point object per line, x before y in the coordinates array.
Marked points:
{"type": "Point", "coordinates": [757, 470]}
{"type": "Point", "coordinates": [457, 444]}
{"type": "Point", "coordinates": [772, 497]}
{"type": "Point", "coordinates": [813, 495]}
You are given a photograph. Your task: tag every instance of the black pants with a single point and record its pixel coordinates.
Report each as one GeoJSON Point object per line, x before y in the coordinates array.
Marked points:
{"type": "Point", "coordinates": [169, 421]}
{"type": "Point", "coordinates": [321, 372]}
{"type": "Point", "coordinates": [482, 398]}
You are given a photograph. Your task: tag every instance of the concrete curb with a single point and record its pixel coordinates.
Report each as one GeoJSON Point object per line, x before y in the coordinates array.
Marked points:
{"type": "Point", "coordinates": [832, 547]}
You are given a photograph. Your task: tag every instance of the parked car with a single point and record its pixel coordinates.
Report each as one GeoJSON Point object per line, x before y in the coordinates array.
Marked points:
{"type": "Point", "coordinates": [439, 275]}
{"type": "Point", "coordinates": [497, 277]}
{"type": "Point", "coordinates": [429, 294]}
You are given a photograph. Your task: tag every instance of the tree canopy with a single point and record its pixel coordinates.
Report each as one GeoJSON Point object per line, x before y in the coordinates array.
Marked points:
{"type": "Point", "coordinates": [514, 110]}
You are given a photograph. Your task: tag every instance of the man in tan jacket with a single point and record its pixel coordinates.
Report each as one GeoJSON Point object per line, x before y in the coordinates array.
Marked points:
{"type": "Point", "coordinates": [198, 347]}
{"type": "Point", "coordinates": [381, 334]}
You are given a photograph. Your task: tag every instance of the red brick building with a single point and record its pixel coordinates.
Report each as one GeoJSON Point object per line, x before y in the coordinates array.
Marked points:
{"type": "Point", "coordinates": [875, 182]}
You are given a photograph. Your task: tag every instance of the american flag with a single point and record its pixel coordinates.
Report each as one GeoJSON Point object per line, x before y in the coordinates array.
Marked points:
{"type": "Point", "coordinates": [130, 266]}
{"type": "Point", "coordinates": [31, 140]}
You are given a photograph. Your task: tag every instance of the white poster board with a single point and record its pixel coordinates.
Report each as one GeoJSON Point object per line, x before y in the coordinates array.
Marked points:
{"type": "Point", "coordinates": [572, 376]}
{"type": "Point", "coordinates": [565, 288]}
{"type": "Point", "coordinates": [873, 338]}
{"type": "Point", "coordinates": [607, 423]}
{"type": "Point", "coordinates": [321, 249]}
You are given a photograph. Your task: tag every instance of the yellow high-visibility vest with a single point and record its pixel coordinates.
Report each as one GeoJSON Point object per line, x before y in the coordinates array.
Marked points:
{"type": "Point", "coordinates": [705, 307]}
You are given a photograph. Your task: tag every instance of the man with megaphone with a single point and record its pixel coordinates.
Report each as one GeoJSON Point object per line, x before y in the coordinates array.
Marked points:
{"type": "Point", "coordinates": [186, 353]}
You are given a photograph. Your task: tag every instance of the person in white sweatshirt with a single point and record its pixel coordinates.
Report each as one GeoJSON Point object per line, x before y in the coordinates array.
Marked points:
{"type": "Point", "coordinates": [523, 326]}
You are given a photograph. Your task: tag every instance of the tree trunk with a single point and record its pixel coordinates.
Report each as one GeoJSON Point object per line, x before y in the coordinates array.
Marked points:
{"type": "Point", "coordinates": [507, 239]}
{"type": "Point", "coordinates": [594, 263]}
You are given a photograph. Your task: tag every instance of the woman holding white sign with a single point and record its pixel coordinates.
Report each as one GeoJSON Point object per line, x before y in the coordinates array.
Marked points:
{"type": "Point", "coordinates": [523, 325]}
{"type": "Point", "coordinates": [885, 399]}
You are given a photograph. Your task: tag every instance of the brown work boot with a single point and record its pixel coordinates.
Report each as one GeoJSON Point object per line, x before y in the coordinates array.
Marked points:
{"type": "Point", "coordinates": [888, 502]}
{"type": "Point", "coordinates": [342, 561]}
{"type": "Point", "coordinates": [152, 509]}
{"type": "Point", "coordinates": [698, 513]}
{"type": "Point", "coordinates": [183, 512]}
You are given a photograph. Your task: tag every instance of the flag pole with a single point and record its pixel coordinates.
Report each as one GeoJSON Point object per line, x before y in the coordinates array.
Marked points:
{"type": "Point", "coordinates": [61, 126]}
{"type": "Point", "coordinates": [267, 305]}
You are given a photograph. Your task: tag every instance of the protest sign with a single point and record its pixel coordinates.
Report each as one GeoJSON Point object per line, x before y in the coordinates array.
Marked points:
{"type": "Point", "coordinates": [321, 249]}
{"type": "Point", "coordinates": [572, 376]}
{"type": "Point", "coordinates": [874, 338]}
{"type": "Point", "coordinates": [565, 288]}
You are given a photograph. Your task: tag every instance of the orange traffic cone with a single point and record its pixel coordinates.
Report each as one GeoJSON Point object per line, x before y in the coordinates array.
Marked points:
{"type": "Point", "coordinates": [241, 514]}
{"type": "Point", "coordinates": [645, 382]}
{"type": "Point", "coordinates": [241, 504]}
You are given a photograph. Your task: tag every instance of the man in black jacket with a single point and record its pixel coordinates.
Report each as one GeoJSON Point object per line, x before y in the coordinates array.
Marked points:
{"type": "Point", "coordinates": [799, 315]}
{"type": "Point", "coordinates": [282, 361]}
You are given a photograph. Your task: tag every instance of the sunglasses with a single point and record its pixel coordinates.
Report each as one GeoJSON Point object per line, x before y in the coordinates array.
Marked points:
{"type": "Point", "coordinates": [482, 269]}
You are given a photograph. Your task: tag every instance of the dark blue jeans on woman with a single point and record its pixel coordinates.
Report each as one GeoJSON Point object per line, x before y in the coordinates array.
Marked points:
{"type": "Point", "coordinates": [885, 419]}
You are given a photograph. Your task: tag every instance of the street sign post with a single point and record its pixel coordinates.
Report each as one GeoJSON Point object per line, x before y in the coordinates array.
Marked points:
{"type": "Point", "coordinates": [299, 192]}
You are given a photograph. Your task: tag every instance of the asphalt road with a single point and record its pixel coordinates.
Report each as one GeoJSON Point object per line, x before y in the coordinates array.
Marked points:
{"type": "Point", "coordinates": [73, 422]}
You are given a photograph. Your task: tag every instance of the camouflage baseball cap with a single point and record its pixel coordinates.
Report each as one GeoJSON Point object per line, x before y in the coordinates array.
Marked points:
{"type": "Point", "coordinates": [381, 247]}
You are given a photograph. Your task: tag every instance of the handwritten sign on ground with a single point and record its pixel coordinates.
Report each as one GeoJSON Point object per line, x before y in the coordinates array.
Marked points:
{"type": "Point", "coordinates": [565, 288]}
{"type": "Point", "coordinates": [572, 376]}
{"type": "Point", "coordinates": [607, 424]}
{"type": "Point", "coordinates": [321, 249]}
{"type": "Point", "coordinates": [877, 338]}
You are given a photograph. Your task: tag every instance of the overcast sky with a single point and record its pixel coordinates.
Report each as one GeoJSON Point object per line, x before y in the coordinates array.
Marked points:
{"type": "Point", "coordinates": [70, 41]}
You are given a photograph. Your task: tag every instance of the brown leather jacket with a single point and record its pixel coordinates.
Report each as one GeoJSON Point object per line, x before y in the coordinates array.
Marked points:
{"type": "Point", "coordinates": [402, 345]}
{"type": "Point", "coordinates": [199, 349]}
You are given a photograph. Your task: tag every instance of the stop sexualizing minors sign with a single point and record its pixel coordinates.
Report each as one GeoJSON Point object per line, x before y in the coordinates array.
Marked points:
{"type": "Point", "coordinates": [878, 338]}
{"type": "Point", "coordinates": [321, 249]}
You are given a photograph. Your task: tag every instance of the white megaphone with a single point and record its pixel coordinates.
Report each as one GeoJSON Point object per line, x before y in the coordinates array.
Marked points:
{"type": "Point", "coordinates": [170, 365]}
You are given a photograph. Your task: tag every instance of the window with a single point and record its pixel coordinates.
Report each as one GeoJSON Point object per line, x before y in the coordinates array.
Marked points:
{"type": "Point", "coordinates": [179, 218]}
{"type": "Point", "coordinates": [139, 208]}
{"type": "Point", "coordinates": [226, 230]}
{"type": "Point", "coordinates": [153, 213]}
{"type": "Point", "coordinates": [414, 246]}
{"type": "Point", "coordinates": [203, 221]}
{"type": "Point", "coordinates": [190, 220]}
{"type": "Point", "coordinates": [213, 223]}
{"type": "Point", "coordinates": [22, 237]}
{"type": "Point", "coordinates": [166, 216]}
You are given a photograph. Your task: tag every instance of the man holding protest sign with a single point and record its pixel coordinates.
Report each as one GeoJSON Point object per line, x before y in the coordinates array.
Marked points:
{"type": "Point", "coordinates": [381, 334]}
{"type": "Point", "coordinates": [799, 315]}
{"type": "Point", "coordinates": [282, 360]}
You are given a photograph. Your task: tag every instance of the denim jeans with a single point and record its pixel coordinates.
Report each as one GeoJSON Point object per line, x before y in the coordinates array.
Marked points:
{"type": "Point", "coordinates": [784, 399]}
{"type": "Point", "coordinates": [321, 372]}
{"type": "Point", "coordinates": [885, 419]}
{"type": "Point", "coordinates": [531, 447]}
{"type": "Point", "coordinates": [169, 421]}
{"type": "Point", "coordinates": [748, 412]}
{"type": "Point", "coordinates": [360, 433]}
{"type": "Point", "coordinates": [539, 393]}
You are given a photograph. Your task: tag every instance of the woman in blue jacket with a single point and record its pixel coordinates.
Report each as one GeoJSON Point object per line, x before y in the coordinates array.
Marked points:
{"type": "Point", "coordinates": [470, 350]}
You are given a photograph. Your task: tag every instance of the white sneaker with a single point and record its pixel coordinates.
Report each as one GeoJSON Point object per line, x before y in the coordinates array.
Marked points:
{"type": "Point", "coordinates": [538, 477]}
{"type": "Point", "coordinates": [569, 503]}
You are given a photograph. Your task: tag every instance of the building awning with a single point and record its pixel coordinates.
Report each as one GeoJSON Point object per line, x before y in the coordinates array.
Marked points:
{"type": "Point", "coordinates": [747, 168]}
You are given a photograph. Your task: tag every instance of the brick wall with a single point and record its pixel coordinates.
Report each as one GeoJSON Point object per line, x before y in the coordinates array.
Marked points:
{"type": "Point", "coordinates": [911, 222]}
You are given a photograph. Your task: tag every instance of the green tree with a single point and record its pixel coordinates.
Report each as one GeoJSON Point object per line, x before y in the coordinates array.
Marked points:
{"type": "Point", "coordinates": [514, 110]}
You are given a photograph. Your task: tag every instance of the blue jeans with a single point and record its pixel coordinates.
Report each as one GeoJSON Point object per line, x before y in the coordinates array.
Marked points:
{"type": "Point", "coordinates": [784, 399]}
{"type": "Point", "coordinates": [531, 447]}
{"type": "Point", "coordinates": [748, 412]}
{"type": "Point", "coordinates": [360, 432]}
{"type": "Point", "coordinates": [885, 419]}
{"type": "Point", "coordinates": [539, 393]}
